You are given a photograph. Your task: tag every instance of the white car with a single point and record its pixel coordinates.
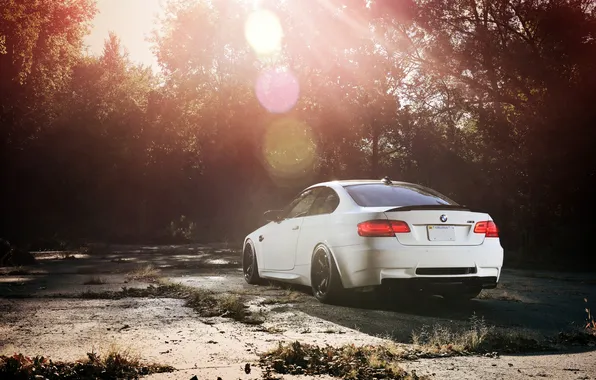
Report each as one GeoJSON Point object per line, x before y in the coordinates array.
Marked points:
{"type": "Point", "coordinates": [376, 233]}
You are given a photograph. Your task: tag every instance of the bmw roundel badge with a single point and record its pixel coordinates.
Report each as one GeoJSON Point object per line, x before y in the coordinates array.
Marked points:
{"type": "Point", "coordinates": [443, 218]}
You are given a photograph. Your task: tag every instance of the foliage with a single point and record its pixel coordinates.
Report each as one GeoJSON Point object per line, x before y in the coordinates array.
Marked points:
{"type": "Point", "coordinates": [183, 229]}
{"type": "Point", "coordinates": [488, 102]}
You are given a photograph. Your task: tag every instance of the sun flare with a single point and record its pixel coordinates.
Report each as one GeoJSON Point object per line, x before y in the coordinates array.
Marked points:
{"type": "Point", "coordinates": [263, 32]}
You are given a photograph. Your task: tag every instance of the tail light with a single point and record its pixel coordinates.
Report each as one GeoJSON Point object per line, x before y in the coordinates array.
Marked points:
{"type": "Point", "coordinates": [488, 228]}
{"type": "Point", "coordinates": [382, 228]}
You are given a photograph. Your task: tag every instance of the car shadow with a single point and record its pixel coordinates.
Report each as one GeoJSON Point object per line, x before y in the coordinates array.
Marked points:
{"type": "Point", "coordinates": [397, 318]}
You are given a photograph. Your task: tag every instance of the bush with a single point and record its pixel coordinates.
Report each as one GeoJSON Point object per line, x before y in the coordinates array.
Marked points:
{"type": "Point", "coordinates": [11, 256]}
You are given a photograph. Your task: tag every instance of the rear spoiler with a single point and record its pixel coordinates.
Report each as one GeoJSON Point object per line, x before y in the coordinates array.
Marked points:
{"type": "Point", "coordinates": [430, 207]}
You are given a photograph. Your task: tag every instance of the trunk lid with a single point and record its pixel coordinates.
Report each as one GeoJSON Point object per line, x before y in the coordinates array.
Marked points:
{"type": "Point", "coordinates": [438, 226]}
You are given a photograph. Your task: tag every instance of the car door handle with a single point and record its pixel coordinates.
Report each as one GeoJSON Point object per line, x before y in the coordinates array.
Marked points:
{"type": "Point", "coordinates": [295, 228]}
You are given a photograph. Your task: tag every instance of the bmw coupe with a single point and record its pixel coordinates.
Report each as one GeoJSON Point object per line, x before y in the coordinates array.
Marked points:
{"type": "Point", "coordinates": [367, 234]}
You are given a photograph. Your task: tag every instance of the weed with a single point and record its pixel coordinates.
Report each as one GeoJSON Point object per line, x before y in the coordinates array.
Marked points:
{"type": "Point", "coordinates": [504, 296]}
{"type": "Point", "coordinates": [288, 297]}
{"type": "Point", "coordinates": [347, 362]}
{"type": "Point", "coordinates": [144, 273]}
{"type": "Point", "coordinates": [94, 281]}
{"type": "Point", "coordinates": [590, 322]}
{"type": "Point", "coordinates": [441, 339]}
{"type": "Point", "coordinates": [478, 337]}
{"type": "Point", "coordinates": [204, 302]}
{"type": "Point", "coordinates": [111, 366]}
{"type": "Point", "coordinates": [233, 306]}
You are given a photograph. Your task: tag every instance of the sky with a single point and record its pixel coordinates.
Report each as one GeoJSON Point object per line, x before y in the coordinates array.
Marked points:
{"type": "Point", "coordinates": [132, 21]}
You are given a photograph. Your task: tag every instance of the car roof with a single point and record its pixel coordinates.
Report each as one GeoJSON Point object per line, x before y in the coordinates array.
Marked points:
{"type": "Point", "coordinates": [350, 182]}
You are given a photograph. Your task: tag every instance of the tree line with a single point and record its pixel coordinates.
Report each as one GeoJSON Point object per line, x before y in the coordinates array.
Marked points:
{"type": "Point", "coordinates": [490, 102]}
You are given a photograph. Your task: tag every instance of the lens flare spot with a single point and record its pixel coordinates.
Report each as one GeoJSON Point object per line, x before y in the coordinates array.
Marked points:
{"type": "Point", "coordinates": [263, 32]}
{"type": "Point", "coordinates": [289, 149]}
{"type": "Point", "coordinates": [277, 90]}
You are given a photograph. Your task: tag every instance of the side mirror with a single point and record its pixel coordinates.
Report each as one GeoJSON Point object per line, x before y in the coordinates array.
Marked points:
{"type": "Point", "coordinates": [272, 215]}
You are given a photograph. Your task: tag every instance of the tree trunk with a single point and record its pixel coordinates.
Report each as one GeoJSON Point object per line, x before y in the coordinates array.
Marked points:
{"type": "Point", "coordinates": [374, 169]}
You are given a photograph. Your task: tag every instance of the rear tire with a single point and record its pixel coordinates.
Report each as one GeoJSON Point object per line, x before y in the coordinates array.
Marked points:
{"type": "Point", "coordinates": [250, 267]}
{"type": "Point", "coordinates": [324, 276]}
{"type": "Point", "coordinates": [462, 294]}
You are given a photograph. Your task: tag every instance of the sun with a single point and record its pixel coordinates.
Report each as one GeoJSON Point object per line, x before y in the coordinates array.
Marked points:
{"type": "Point", "coordinates": [263, 32]}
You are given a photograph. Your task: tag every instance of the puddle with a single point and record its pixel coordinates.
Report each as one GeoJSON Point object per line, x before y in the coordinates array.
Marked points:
{"type": "Point", "coordinates": [14, 279]}
{"type": "Point", "coordinates": [220, 262]}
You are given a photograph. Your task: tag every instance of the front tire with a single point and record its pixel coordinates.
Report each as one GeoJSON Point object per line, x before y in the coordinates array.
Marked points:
{"type": "Point", "coordinates": [250, 267]}
{"type": "Point", "coordinates": [324, 276]}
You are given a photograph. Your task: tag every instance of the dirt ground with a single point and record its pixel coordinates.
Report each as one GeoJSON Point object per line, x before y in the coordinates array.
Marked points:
{"type": "Point", "coordinates": [41, 313]}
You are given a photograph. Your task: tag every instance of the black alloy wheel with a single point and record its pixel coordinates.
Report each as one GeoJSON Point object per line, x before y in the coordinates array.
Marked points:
{"type": "Point", "coordinates": [249, 265]}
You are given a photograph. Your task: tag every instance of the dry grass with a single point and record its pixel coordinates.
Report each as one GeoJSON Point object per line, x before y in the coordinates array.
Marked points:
{"type": "Point", "coordinates": [114, 363]}
{"type": "Point", "coordinates": [478, 337]}
{"type": "Point", "coordinates": [346, 362]}
{"type": "Point", "coordinates": [204, 302]}
{"type": "Point", "coordinates": [590, 322]}
{"type": "Point", "coordinates": [144, 273]}
{"type": "Point", "coordinates": [290, 296]}
{"type": "Point", "coordinates": [95, 280]}
{"type": "Point", "coordinates": [499, 296]}
{"type": "Point", "coordinates": [233, 306]}
{"type": "Point", "coordinates": [441, 339]}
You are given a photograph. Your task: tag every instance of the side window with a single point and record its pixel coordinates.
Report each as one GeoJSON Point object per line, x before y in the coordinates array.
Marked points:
{"type": "Point", "coordinates": [326, 202]}
{"type": "Point", "coordinates": [302, 204]}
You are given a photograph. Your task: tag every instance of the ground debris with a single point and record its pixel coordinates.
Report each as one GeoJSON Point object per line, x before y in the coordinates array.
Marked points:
{"type": "Point", "coordinates": [112, 366]}
{"type": "Point", "coordinates": [347, 362]}
{"type": "Point", "coordinates": [204, 302]}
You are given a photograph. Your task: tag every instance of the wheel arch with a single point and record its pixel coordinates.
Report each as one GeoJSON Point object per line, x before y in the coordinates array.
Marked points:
{"type": "Point", "coordinates": [248, 241]}
{"type": "Point", "coordinates": [324, 244]}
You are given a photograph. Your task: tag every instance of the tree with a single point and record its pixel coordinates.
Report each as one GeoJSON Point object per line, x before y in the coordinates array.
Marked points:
{"type": "Point", "coordinates": [40, 41]}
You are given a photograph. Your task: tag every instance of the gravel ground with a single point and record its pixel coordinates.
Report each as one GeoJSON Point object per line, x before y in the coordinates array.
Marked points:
{"type": "Point", "coordinates": [40, 314]}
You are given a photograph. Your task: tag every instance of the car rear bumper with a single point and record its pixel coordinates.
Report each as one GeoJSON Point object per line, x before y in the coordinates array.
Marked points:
{"type": "Point", "coordinates": [382, 260]}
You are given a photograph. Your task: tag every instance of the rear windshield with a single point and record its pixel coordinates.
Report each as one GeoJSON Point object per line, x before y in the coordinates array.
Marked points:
{"type": "Point", "coordinates": [380, 195]}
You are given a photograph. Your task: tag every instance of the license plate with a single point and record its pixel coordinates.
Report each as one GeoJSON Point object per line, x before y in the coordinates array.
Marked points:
{"type": "Point", "coordinates": [441, 233]}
